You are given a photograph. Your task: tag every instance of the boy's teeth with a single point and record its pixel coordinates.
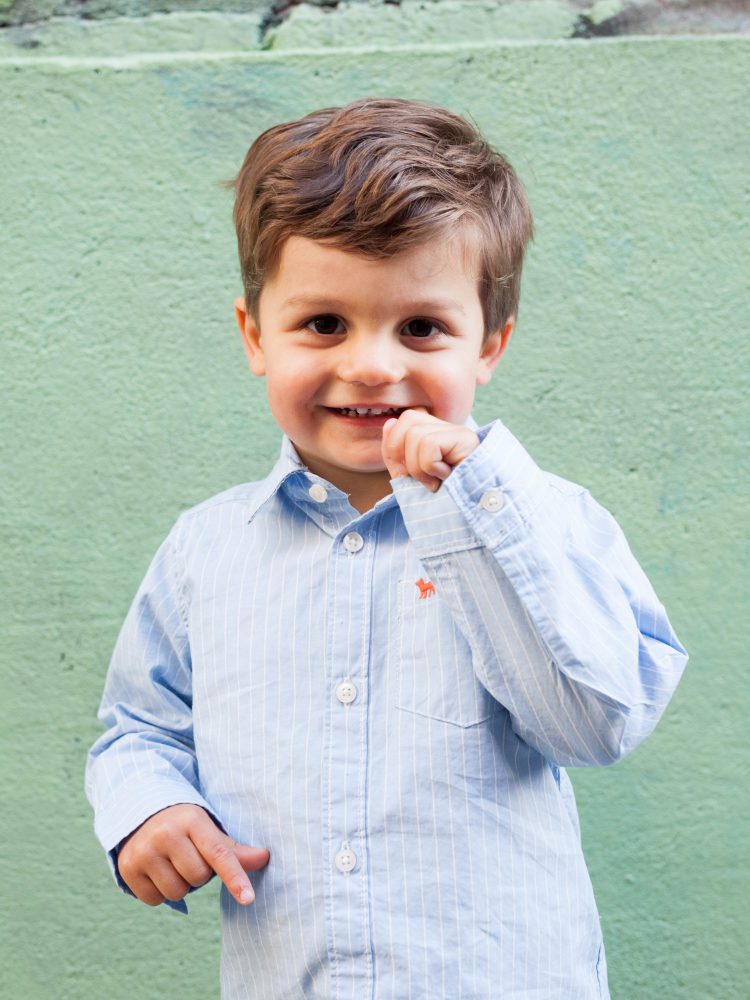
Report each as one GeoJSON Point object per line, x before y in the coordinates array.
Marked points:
{"type": "Point", "coordinates": [369, 411]}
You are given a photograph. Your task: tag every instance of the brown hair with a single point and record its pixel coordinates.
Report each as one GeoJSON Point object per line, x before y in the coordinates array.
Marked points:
{"type": "Point", "coordinates": [376, 177]}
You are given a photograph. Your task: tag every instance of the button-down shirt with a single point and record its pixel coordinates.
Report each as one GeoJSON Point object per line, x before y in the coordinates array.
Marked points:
{"type": "Point", "coordinates": [387, 702]}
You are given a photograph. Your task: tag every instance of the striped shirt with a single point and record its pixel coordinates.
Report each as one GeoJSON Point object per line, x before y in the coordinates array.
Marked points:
{"type": "Point", "coordinates": [387, 702]}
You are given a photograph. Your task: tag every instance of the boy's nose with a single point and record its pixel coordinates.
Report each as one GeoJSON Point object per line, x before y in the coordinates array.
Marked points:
{"type": "Point", "coordinates": [371, 362]}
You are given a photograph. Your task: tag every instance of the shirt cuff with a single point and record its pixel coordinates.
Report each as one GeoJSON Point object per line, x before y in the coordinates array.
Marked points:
{"type": "Point", "coordinates": [487, 498]}
{"type": "Point", "coordinates": [113, 830]}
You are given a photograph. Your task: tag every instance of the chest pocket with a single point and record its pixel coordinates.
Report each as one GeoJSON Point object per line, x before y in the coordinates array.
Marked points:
{"type": "Point", "coordinates": [435, 677]}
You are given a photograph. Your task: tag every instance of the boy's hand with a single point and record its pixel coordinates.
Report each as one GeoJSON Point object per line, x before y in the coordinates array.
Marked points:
{"type": "Point", "coordinates": [181, 847]}
{"type": "Point", "coordinates": [419, 445]}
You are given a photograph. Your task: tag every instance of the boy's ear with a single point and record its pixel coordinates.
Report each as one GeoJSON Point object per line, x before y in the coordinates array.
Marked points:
{"type": "Point", "coordinates": [250, 337]}
{"type": "Point", "coordinates": [492, 351]}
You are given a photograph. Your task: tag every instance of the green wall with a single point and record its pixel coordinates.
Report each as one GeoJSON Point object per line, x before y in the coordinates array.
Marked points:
{"type": "Point", "coordinates": [126, 399]}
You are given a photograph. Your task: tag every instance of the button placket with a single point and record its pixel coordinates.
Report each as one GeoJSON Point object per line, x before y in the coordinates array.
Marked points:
{"type": "Point", "coordinates": [346, 747]}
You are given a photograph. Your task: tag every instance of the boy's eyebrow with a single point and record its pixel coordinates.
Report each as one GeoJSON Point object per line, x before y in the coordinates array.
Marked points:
{"type": "Point", "coordinates": [421, 305]}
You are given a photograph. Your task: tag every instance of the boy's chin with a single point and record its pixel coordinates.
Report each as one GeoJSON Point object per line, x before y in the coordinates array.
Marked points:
{"type": "Point", "coordinates": [365, 473]}
{"type": "Point", "coordinates": [365, 470]}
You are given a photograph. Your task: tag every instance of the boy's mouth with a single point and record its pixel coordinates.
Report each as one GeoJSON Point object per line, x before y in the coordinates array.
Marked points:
{"type": "Point", "coordinates": [368, 411]}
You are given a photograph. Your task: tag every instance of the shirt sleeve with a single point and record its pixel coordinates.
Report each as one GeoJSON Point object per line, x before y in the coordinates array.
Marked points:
{"type": "Point", "coordinates": [565, 629]}
{"type": "Point", "coordinates": [145, 761]}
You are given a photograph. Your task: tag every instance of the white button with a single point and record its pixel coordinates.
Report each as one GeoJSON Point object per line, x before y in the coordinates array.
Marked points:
{"type": "Point", "coordinates": [353, 542]}
{"type": "Point", "coordinates": [346, 859]}
{"type": "Point", "coordinates": [318, 492]}
{"type": "Point", "coordinates": [346, 692]}
{"type": "Point", "coordinates": [492, 500]}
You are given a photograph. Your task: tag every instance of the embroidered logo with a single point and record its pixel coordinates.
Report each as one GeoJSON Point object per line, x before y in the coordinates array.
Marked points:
{"type": "Point", "coordinates": [426, 588]}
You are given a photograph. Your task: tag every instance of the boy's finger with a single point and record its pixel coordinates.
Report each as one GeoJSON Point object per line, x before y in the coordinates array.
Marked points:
{"type": "Point", "coordinates": [221, 854]}
{"type": "Point", "coordinates": [145, 890]}
{"type": "Point", "coordinates": [435, 453]}
{"type": "Point", "coordinates": [461, 447]}
{"type": "Point", "coordinates": [190, 864]}
{"type": "Point", "coordinates": [390, 449]}
{"type": "Point", "coordinates": [441, 470]}
{"type": "Point", "coordinates": [429, 456]}
{"type": "Point", "coordinates": [251, 858]}
{"type": "Point", "coordinates": [168, 880]}
{"type": "Point", "coordinates": [421, 454]}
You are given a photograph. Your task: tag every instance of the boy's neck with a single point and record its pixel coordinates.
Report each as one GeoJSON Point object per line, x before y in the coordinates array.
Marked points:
{"type": "Point", "coordinates": [364, 489]}
{"type": "Point", "coordinates": [364, 495]}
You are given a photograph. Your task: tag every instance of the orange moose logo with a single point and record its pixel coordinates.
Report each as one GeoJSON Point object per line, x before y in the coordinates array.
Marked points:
{"type": "Point", "coordinates": [426, 588]}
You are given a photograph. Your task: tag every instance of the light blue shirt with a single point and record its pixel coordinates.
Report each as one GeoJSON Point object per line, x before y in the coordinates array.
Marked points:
{"type": "Point", "coordinates": [386, 701]}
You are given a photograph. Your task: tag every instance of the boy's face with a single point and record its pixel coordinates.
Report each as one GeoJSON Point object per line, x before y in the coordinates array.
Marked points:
{"type": "Point", "coordinates": [345, 342]}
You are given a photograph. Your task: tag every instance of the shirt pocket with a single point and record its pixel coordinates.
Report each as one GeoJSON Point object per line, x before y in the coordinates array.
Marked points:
{"type": "Point", "coordinates": [435, 674]}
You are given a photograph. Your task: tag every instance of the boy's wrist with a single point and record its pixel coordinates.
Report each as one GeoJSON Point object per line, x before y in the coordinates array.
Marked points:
{"type": "Point", "coordinates": [115, 824]}
{"type": "Point", "coordinates": [488, 497]}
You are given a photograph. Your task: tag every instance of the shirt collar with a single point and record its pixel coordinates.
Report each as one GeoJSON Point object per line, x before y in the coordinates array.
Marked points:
{"type": "Point", "coordinates": [288, 464]}
{"type": "Point", "coordinates": [291, 471]}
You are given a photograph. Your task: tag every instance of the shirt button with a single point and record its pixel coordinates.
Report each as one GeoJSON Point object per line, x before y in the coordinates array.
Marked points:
{"type": "Point", "coordinates": [492, 500]}
{"type": "Point", "coordinates": [346, 692]}
{"type": "Point", "coordinates": [318, 492]}
{"type": "Point", "coordinates": [346, 859]}
{"type": "Point", "coordinates": [353, 542]}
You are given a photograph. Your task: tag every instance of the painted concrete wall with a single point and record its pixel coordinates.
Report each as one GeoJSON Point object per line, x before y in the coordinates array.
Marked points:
{"type": "Point", "coordinates": [126, 399]}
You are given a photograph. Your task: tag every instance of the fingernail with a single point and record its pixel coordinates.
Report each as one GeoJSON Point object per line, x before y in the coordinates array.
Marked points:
{"type": "Point", "coordinates": [247, 895]}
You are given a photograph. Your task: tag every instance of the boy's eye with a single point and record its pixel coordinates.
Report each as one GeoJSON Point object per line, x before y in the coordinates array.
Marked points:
{"type": "Point", "coordinates": [421, 328]}
{"type": "Point", "coordinates": [324, 324]}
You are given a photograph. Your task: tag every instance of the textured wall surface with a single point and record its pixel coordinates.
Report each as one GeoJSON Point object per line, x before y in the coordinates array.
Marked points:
{"type": "Point", "coordinates": [126, 399]}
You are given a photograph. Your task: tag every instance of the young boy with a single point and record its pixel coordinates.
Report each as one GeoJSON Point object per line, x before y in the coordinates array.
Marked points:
{"type": "Point", "coordinates": [360, 678]}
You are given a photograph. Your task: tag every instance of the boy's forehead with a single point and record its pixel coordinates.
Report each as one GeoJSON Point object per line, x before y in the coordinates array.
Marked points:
{"type": "Point", "coordinates": [426, 261]}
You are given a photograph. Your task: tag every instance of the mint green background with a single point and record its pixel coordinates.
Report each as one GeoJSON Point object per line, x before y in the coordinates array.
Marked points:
{"type": "Point", "coordinates": [126, 399]}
